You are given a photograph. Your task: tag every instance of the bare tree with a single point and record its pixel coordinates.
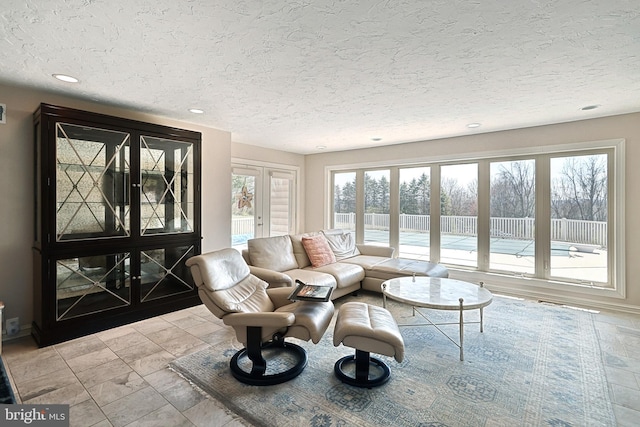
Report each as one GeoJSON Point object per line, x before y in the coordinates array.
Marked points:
{"type": "Point", "coordinates": [457, 200]}
{"type": "Point", "coordinates": [513, 190]}
{"type": "Point", "coordinates": [580, 192]}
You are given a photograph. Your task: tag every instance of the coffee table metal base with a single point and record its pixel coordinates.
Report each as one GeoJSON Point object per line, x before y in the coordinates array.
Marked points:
{"type": "Point", "coordinates": [461, 308]}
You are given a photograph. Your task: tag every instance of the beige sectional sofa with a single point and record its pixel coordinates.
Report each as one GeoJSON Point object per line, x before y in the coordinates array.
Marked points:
{"type": "Point", "coordinates": [283, 259]}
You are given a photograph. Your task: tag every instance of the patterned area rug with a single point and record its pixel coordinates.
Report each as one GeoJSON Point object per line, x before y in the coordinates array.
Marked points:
{"type": "Point", "coordinates": [534, 365]}
{"type": "Point", "coordinates": [6, 392]}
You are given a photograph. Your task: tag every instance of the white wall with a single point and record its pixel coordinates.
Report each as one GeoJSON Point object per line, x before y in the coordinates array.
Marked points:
{"type": "Point", "coordinates": [16, 189]}
{"type": "Point", "coordinates": [623, 126]}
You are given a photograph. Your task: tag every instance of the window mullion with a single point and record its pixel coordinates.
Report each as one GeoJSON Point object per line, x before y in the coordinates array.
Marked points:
{"type": "Point", "coordinates": [360, 206]}
{"type": "Point", "coordinates": [543, 218]}
{"type": "Point", "coordinates": [434, 212]}
{"type": "Point", "coordinates": [612, 222]}
{"type": "Point", "coordinates": [394, 208]}
{"type": "Point", "coordinates": [484, 195]}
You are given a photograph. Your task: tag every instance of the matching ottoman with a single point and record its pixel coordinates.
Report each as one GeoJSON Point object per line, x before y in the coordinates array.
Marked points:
{"type": "Point", "coordinates": [368, 329]}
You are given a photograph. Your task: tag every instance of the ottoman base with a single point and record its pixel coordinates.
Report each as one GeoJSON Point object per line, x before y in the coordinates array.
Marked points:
{"type": "Point", "coordinates": [363, 364]}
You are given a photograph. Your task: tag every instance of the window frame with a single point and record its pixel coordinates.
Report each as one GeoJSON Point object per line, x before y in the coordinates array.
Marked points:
{"type": "Point", "coordinates": [615, 148]}
{"type": "Point", "coordinates": [264, 172]}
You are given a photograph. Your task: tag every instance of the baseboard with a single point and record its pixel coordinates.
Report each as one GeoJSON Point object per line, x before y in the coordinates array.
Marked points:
{"type": "Point", "coordinates": [575, 301]}
{"type": "Point", "coordinates": [592, 298]}
{"type": "Point", "coordinates": [25, 331]}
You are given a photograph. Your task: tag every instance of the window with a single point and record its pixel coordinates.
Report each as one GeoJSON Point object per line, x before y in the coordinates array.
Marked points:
{"type": "Point", "coordinates": [262, 203]}
{"type": "Point", "coordinates": [545, 216]}
{"type": "Point", "coordinates": [512, 216]}
{"type": "Point", "coordinates": [579, 217]}
{"type": "Point", "coordinates": [344, 201]}
{"type": "Point", "coordinates": [243, 206]}
{"type": "Point", "coordinates": [459, 214]}
{"type": "Point", "coordinates": [376, 207]}
{"type": "Point", "coordinates": [415, 207]}
{"type": "Point", "coordinates": [280, 203]}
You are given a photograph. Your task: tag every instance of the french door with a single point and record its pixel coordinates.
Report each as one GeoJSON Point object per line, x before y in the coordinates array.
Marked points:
{"type": "Point", "coordinates": [262, 202]}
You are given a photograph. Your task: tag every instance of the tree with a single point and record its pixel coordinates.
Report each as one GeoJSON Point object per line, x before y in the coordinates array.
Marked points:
{"type": "Point", "coordinates": [376, 194]}
{"type": "Point", "coordinates": [455, 200]}
{"type": "Point", "coordinates": [407, 202]}
{"type": "Point", "coordinates": [370, 193]}
{"type": "Point", "coordinates": [423, 194]}
{"type": "Point", "coordinates": [383, 195]}
{"type": "Point", "coordinates": [580, 190]}
{"type": "Point", "coordinates": [513, 190]}
{"type": "Point", "coordinates": [415, 196]}
{"type": "Point", "coordinates": [337, 199]}
{"type": "Point", "coordinates": [344, 199]}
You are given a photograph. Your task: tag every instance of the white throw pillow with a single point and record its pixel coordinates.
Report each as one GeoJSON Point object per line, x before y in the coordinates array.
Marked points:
{"type": "Point", "coordinates": [343, 245]}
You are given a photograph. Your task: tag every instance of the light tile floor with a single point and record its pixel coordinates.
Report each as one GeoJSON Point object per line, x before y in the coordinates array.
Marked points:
{"type": "Point", "coordinates": [120, 377]}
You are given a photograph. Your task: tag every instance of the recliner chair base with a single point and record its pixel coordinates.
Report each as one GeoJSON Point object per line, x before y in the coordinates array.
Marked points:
{"type": "Point", "coordinates": [253, 352]}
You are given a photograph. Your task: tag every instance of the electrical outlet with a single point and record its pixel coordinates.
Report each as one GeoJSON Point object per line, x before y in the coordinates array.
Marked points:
{"type": "Point", "coordinates": [13, 326]}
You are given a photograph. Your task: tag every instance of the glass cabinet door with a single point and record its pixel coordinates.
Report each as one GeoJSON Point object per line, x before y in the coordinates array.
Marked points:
{"type": "Point", "coordinates": [92, 170]}
{"type": "Point", "coordinates": [167, 193]}
{"type": "Point", "coordinates": [163, 272]}
{"type": "Point", "coordinates": [92, 284]}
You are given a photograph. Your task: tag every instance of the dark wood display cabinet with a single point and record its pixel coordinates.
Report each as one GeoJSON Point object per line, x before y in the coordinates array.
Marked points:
{"type": "Point", "coordinates": [117, 214]}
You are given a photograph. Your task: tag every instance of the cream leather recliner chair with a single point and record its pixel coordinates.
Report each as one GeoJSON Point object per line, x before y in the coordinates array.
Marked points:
{"type": "Point", "coordinates": [262, 317]}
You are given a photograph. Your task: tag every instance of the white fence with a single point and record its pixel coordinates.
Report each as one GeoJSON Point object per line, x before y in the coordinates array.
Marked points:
{"type": "Point", "coordinates": [564, 230]}
{"type": "Point", "coordinates": [242, 225]}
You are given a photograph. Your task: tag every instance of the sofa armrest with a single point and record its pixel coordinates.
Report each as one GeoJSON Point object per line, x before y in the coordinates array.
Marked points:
{"type": "Point", "coordinates": [275, 279]}
{"type": "Point", "coordinates": [374, 250]}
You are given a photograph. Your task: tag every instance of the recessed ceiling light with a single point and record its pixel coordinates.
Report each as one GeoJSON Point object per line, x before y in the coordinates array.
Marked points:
{"type": "Point", "coordinates": [590, 107]}
{"type": "Point", "coordinates": [196, 111]}
{"type": "Point", "coordinates": [376, 139]}
{"type": "Point", "coordinates": [473, 125]}
{"type": "Point", "coordinates": [321, 147]}
{"type": "Point", "coordinates": [65, 78]}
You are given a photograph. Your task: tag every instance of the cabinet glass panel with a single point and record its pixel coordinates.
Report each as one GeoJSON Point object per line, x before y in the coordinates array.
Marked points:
{"type": "Point", "coordinates": [91, 183]}
{"type": "Point", "coordinates": [92, 284]}
{"type": "Point", "coordinates": [167, 186]}
{"type": "Point", "coordinates": [163, 272]}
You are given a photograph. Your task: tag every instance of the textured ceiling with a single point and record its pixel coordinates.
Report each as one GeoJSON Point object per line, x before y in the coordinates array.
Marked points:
{"type": "Point", "coordinates": [293, 75]}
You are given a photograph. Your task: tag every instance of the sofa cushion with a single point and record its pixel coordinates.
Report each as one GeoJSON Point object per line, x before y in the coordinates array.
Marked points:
{"type": "Point", "coordinates": [398, 267]}
{"type": "Point", "coordinates": [318, 250]}
{"type": "Point", "coordinates": [298, 250]}
{"type": "Point", "coordinates": [366, 261]}
{"type": "Point", "coordinates": [343, 245]}
{"type": "Point", "coordinates": [345, 274]}
{"type": "Point", "coordinates": [275, 253]}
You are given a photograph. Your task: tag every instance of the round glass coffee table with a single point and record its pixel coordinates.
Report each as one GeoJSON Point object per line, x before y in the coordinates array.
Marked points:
{"type": "Point", "coordinates": [438, 294]}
